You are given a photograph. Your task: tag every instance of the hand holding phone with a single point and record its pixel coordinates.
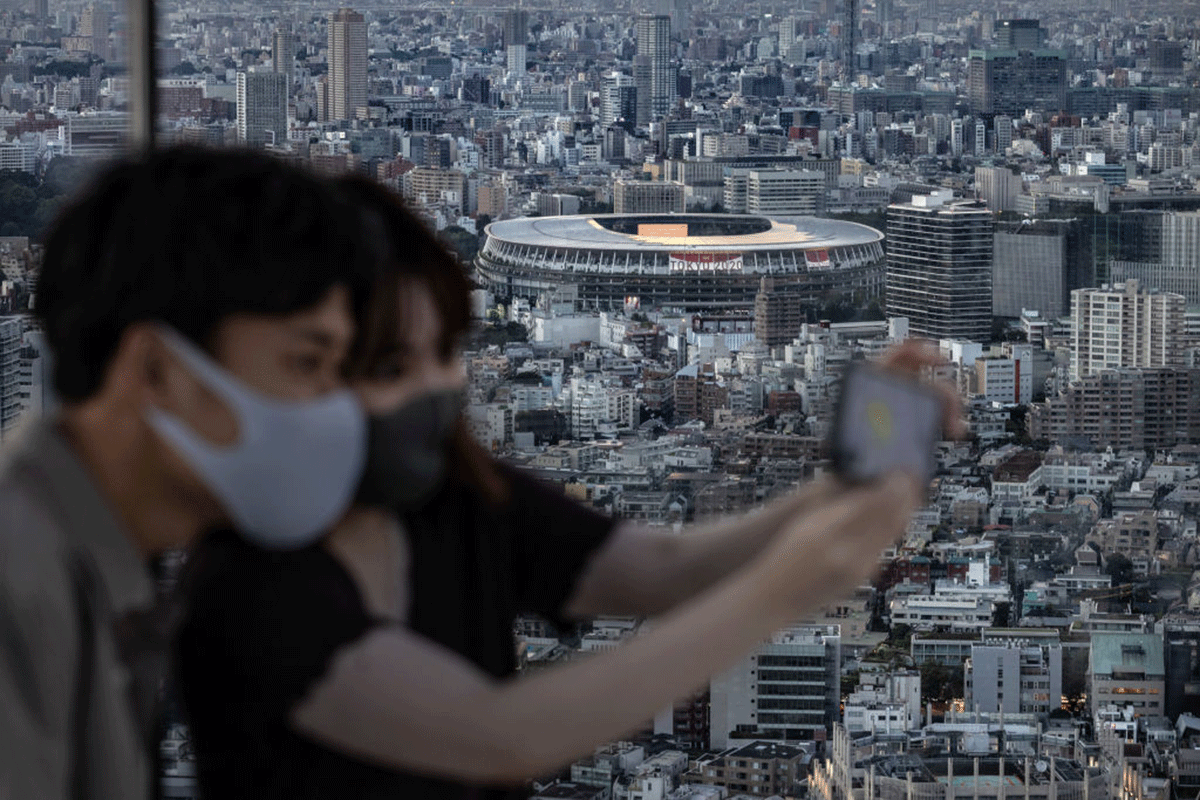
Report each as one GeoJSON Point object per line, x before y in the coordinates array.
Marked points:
{"type": "Point", "coordinates": [885, 422]}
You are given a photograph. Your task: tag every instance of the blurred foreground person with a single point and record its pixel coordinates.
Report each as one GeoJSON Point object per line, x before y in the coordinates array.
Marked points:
{"type": "Point", "coordinates": [380, 663]}
{"type": "Point", "coordinates": [199, 305]}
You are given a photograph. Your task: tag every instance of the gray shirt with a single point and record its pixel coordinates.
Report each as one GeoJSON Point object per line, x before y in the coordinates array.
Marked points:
{"type": "Point", "coordinates": [71, 722]}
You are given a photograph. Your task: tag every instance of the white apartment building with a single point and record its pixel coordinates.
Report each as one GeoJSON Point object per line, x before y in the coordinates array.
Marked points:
{"type": "Point", "coordinates": [1080, 472]}
{"type": "Point", "coordinates": [791, 191]}
{"type": "Point", "coordinates": [1016, 677]}
{"type": "Point", "coordinates": [954, 607]}
{"type": "Point", "coordinates": [1125, 325]}
{"type": "Point", "coordinates": [491, 424]}
{"type": "Point", "coordinates": [598, 407]}
{"type": "Point", "coordinates": [1007, 380]}
{"type": "Point", "coordinates": [885, 702]}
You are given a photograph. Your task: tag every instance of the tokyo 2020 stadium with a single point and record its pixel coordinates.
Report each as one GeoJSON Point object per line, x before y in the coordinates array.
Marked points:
{"type": "Point", "coordinates": [693, 262]}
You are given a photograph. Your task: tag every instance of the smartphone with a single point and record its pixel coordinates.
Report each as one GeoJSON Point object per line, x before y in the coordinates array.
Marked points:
{"type": "Point", "coordinates": [884, 422]}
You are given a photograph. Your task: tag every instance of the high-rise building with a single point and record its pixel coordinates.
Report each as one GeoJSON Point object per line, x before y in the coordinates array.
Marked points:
{"type": "Point", "coordinates": [283, 53]}
{"type": "Point", "coordinates": [787, 689]}
{"type": "Point", "coordinates": [41, 11]}
{"type": "Point", "coordinates": [618, 100]}
{"type": "Point", "coordinates": [1125, 325]}
{"type": "Point", "coordinates": [1003, 126]}
{"type": "Point", "coordinates": [849, 40]}
{"type": "Point", "coordinates": [10, 374]}
{"type": "Point", "coordinates": [347, 64]}
{"type": "Point", "coordinates": [1012, 81]}
{"type": "Point", "coordinates": [516, 39]}
{"type": "Point", "coordinates": [885, 11]}
{"type": "Point", "coordinates": [957, 137]}
{"type": "Point", "coordinates": [791, 29]}
{"type": "Point", "coordinates": [1166, 57]}
{"type": "Point", "coordinates": [493, 200]}
{"type": "Point", "coordinates": [643, 80]}
{"type": "Point", "coordinates": [939, 272]}
{"type": "Point", "coordinates": [1036, 264]}
{"type": "Point", "coordinates": [778, 316]}
{"type": "Point", "coordinates": [262, 108]}
{"type": "Point", "coordinates": [998, 187]}
{"type": "Point", "coordinates": [654, 42]}
{"type": "Point", "coordinates": [1162, 251]}
{"type": "Point", "coordinates": [679, 13]}
{"type": "Point", "coordinates": [94, 24]}
{"type": "Point", "coordinates": [1019, 34]}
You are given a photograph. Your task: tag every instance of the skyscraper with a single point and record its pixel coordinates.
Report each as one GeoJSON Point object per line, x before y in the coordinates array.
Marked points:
{"type": "Point", "coordinates": [347, 64]}
{"type": "Point", "coordinates": [654, 41]}
{"type": "Point", "coordinates": [939, 272]}
{"type": "Point", "coordinates": [1011, 81]}
{"type": "Point", "coordinates": [516, 39]}
{"type": "Point", "coordinates": [283, 53]}
{"type": "Point", "coordinates": [849, 40]}
{"type": "Point", "coordinates": [261, 108]}
{"type": "Point", "coordinates": [94, 24]}
{"type": "Point", "coordinates": [643, 78]}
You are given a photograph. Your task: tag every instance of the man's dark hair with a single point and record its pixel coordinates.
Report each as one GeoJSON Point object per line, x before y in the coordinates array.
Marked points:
{"type": "Point", "coordinates": [190, 236]}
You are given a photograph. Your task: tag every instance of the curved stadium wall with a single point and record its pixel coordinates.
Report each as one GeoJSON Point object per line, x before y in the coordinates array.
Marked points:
{"type": "Point", "coordinates": [693, 262]}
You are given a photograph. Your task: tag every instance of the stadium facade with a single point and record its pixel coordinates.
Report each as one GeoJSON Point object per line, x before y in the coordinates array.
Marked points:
{"type": "Point", "coordinates": [691, 262]}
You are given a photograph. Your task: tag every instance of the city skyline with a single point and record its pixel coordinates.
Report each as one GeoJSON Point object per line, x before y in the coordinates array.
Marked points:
{"type": "Point", "coordinates": [684, 220]}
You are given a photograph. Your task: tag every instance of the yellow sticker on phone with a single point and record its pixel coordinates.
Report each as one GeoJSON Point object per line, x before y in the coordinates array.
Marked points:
{"type": "Point", "coordinates": [880, 417]}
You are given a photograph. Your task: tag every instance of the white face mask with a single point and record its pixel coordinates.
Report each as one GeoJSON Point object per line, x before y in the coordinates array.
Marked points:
{"type": "Point", "coordinates": [295, 466]}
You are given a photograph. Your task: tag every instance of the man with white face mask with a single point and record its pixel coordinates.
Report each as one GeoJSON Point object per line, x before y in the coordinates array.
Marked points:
{"type": "Point", "coordinates": [199, 305]}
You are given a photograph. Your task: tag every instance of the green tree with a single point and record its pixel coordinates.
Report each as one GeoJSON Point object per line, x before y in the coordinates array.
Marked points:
{"type": "Point", "coordinates": [939, 683]}
{"type": "Point", "coordinates": [461, 241]}
{"type": "Point", "coordinates": [481, 222]}
{"type": "Point", "coordinates": [1119, 567]}
{"type": "Point", "coordinates": [17, 203]}
{"type": "Point", "coordinates": [849, 683]}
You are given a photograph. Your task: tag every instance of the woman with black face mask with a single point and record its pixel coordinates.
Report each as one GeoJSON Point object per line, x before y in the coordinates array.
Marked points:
{"type": "Point", "coordinates": [381, 661]}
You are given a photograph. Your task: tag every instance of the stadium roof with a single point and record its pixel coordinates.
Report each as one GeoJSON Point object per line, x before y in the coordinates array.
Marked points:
{"type": "Point", "coordinates": [763, 233]}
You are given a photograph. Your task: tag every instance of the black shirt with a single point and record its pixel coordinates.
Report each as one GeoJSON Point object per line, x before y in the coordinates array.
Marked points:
{"type": "Point", "coordinates": [262, 628]}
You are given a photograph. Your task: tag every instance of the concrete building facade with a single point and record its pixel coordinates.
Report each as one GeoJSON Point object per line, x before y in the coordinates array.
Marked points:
{"type": "Point", "coordinates": [262, 108]}
{"type": "Point", "coordinates": [1125, 325]}
{"type": "Point", "coordinates": [1037, 264]}
{"type": "Point", "coordinates": [1014, 677]}
{"type": "Point", "coordinates": [788, 689]}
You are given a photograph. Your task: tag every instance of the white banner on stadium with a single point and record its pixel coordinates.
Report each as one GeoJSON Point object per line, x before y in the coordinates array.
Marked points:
{"type": "Point", "coordinates": [706, 262]}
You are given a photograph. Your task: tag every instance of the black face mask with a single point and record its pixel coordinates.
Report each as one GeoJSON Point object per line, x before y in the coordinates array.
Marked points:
{"type": "Point", "coordinates": [407, 451]}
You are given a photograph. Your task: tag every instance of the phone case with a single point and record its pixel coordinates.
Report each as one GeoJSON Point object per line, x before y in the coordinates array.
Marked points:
{"type": "Point", "coordinates": [884, 422]}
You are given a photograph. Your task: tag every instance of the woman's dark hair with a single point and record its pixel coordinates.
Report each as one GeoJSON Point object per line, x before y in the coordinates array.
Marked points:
{"type": "Point", "coordinates": [413, 253]}
{"type": "Point", "coordinates": [189, 236]}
